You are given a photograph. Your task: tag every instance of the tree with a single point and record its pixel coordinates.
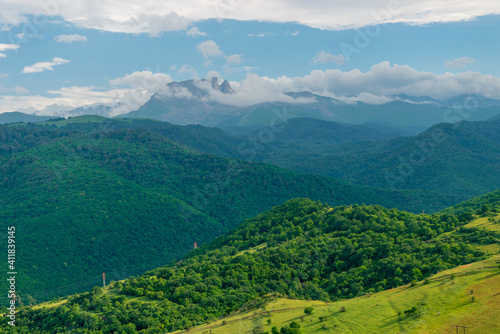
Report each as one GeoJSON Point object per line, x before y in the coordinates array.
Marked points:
{"type": "Point", "coordinates": [308, 310]}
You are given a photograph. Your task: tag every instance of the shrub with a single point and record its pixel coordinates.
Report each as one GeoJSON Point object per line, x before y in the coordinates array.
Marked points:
{"type": "Point", "coordinates": [411, 311]}
{"type": "Point", "coordinates": [308, 310]}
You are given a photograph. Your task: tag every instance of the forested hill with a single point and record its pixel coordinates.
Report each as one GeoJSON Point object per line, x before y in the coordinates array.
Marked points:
{"type": "Point", "coordinates": [459, 160]}
{"type": "Point", "coordinates": [121, 201]}
{"type": "Point", "coordinates": [300, 249]}
{"type": "Point", "coordinates": [481, 204]}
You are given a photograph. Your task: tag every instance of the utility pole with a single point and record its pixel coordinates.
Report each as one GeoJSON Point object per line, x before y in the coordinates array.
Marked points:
{"type": "Point", "coordinates": [103, 280]}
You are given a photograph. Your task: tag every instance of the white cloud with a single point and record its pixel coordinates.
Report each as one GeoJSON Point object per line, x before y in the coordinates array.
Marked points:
{"type": "Point", "coordinates": [209, 49]}
{"type": "Point", "coordinates": [363, 97]}
{"type": "Point", "coordinates": [144, 80]}
{"type": "Point", "coordinates": [385, 79]}
{"type": "Point", "coordinates": [250, 68]}
{"type": "Point", "coordinates": [20, 90]}
{"type": "Point", "coordinates": [193, 32]}
{"type": "Point", "coordinates": [262, 34]}
{"type": "Point", "coordinates": [459, 62]}
{"type": "Point", "coordinates": [71, 96]}
{"type": "Point", "coordinates": [376, 85]}
{"type": "Point", "coordinates": [155, 16]}
{"type": "Point", "coordinates": [70, 38]}
{"type": "Point", "coordinates": [234, 60]}
{"type": "Point", "coordinates": [213, 74]}
{"type": "Point", "coordinates": [254, 89]}
{"type": "Point", "coordinates": [188, 69]}
{"type": "Point", "coordinates": [325, 57]}
{"type": "Point", "coordinates": [45, 65]}
{"type": "Point", "coordinates": [67, 98]}
{"type": "Point", "coordinates": [293, 33]}
{"type": "Point", "coordinates": [7, 47]}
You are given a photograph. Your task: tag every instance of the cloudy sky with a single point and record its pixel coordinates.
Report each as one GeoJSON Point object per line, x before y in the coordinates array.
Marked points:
{"type": "Point", "coordinates": [58, 54]}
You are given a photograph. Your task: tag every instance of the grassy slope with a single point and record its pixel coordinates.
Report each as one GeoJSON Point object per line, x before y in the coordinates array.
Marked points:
{"type": "Point", "coordinates": [444, 302]}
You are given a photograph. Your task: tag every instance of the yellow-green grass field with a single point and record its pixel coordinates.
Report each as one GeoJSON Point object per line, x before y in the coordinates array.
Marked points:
{"type": "Point", "coordinates": [468, 296]}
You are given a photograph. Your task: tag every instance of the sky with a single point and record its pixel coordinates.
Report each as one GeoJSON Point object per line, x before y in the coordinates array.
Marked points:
{"type": "Point", "coordinates": [56, 55]}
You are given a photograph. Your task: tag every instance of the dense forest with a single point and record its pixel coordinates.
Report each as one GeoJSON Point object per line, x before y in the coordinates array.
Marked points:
{"type": "Point", "coordinates": [466, 152]}
{"type": "Point", "coordinates": [86, 197]}
{"type": "Point", "coordinates": [300, 249]}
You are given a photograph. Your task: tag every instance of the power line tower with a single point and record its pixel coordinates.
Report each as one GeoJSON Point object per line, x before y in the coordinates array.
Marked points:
{"type": "Point", "coordinates": [103, 280]}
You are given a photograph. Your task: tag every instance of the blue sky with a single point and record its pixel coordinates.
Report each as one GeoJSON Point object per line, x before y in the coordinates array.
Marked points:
{"type": "Point", "coordinates": [66, 58]}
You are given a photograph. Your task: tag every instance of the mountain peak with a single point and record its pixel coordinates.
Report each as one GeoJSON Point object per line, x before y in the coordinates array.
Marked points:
{"type": "Point", "coordinates": [226, 88]}
{"type": "Point", "coordinates": [199, 89]}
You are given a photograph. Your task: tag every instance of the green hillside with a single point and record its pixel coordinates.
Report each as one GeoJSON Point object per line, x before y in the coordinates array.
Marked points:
{"type": "Point", "coordinates": [441, 303]}
{"type": "Point", "coordinates": [16, 117]}
{"type": "Point", "coordinates": [77, 119]}
{"type": "Point", "coordinates": [301, 249]}
{"type": "Point", "coordinates": [460, 159]}
{"type": "Point", "coordinates": [124, 201]}
{"type": "Point", "coordinates": [478, 205]}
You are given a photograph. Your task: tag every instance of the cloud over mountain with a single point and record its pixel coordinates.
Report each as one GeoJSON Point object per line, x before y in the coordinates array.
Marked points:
{"type": "Point", "coordinates": [375, 86]}
{"type": "Point", "coordinates": [145, 80]}
{"type": "Point", "coordinates": [384, 79]}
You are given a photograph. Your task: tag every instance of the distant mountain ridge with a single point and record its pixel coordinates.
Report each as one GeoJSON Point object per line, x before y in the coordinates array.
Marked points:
{"type": "Point", "coordinates": [17, 117]}
{"type": "Point", "coordinates": [193, 102]}
{"type": "Point", "coordinates": [197, 107]}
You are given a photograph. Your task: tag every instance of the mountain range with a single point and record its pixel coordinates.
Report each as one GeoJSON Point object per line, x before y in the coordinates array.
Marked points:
{"type": "Point", "coordinates": [209, 103]}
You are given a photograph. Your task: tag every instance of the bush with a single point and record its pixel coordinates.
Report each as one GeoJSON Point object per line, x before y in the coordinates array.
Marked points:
{"type": "Point", "coordinates": [411, 311]}
{"type": "Point", "coordinates": [308, 310]}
